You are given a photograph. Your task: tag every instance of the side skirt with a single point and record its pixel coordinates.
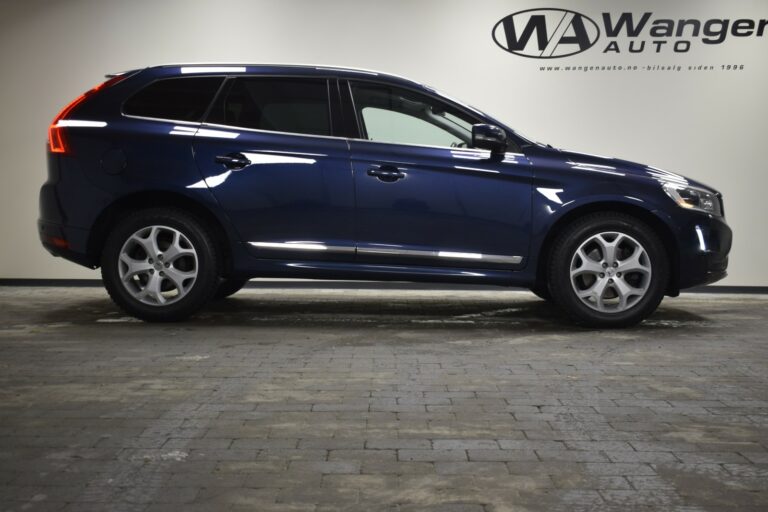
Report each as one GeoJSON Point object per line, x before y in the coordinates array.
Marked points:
{"type": "Point", "coordinates": [358, 271]}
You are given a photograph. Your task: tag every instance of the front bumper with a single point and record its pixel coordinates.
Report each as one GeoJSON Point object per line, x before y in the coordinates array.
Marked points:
{"type": "Point", "coordinates": [704, 244]}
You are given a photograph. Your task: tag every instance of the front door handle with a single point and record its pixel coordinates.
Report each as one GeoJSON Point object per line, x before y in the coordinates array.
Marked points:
{"type": "Point", "coordinates": [233, 160]}
{"type": "Point", "coordinates": [386, 173]}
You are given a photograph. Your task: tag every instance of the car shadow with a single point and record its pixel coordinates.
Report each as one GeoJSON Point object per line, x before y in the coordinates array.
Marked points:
{"type": "Point", "coordinates": [316, 309]}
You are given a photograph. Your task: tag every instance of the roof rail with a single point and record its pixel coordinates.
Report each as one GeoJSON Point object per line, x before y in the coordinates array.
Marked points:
{"type": "Point", "coordinates": [120, 73]}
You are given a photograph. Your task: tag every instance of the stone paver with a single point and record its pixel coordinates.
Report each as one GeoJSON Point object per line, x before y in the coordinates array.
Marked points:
{"type": "Point", "coordinates": [381, 400]}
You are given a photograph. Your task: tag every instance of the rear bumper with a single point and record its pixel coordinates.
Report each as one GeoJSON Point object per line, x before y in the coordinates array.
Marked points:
{"type": "Point", "coordinates": [67, 198]}
{"type": "Point", "coordinates": [705, 242]}
{"type": "Point", "coordinates": [66, 242]}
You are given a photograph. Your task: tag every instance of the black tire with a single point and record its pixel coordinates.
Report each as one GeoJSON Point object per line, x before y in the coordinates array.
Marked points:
{"type": "Point", "coordinates": [228, 287]}
{"type": "Point", "coordinates": [201, 240]}
{"type": "Point", "coordinates": [542, 292]}
{"type": "Point", "coordinates": [566, 245]}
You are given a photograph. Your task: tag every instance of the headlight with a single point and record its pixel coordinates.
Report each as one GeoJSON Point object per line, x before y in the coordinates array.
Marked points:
{"type": "Point", "coordinates": [693, 198]}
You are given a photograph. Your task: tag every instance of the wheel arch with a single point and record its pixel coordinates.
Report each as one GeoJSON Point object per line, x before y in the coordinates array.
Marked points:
{"type": "Point", "coordinates": [154, 199]}
{"type": "Point", "coordinates": [657, 224]}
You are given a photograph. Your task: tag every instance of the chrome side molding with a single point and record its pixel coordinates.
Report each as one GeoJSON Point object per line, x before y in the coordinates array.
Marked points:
{"type": "Point", "coordinates": [383, 250]}
{"type": "Point", "coordinates": [458, 255]}
{"type": "Point", "coordinates": [299, 245]}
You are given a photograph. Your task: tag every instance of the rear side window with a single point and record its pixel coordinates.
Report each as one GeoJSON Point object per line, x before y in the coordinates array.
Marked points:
{"type": "Point", "coordinates": [182, 99]}
{"type": "Point", "coordinates": [292, 105]}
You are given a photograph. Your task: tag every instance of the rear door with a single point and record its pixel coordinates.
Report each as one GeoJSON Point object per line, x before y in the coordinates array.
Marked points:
{"type": "Point", "coordinates": [267, 153]}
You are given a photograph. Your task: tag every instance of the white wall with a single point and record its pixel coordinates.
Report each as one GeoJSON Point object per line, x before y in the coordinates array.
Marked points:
{"type": "Point", "coordinates": [710, 126]}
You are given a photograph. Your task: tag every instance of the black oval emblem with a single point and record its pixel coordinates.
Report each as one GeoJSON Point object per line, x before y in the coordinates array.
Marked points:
{"type": "Point", "coordinates": [546, 33]}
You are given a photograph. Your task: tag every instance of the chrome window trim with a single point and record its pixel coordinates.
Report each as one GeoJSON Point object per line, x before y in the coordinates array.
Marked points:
{"type": "Point", "coordinates": [481, 152]}
{"type": "Point", "coordinates": [485, 152]}
{"type": "Point", "coordinates": [162, 120]}
{"type": "Point", "coordinates": [270, 132]}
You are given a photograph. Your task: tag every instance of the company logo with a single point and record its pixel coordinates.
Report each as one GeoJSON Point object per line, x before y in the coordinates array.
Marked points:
{"type": "Point", "coordinates": [550, 33]}
{"type": "Point", "coordinates": [546, 33]}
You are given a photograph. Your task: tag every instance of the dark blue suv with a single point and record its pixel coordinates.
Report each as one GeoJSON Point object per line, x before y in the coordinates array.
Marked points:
{"type": "Point", "coordinates": [183, 181]}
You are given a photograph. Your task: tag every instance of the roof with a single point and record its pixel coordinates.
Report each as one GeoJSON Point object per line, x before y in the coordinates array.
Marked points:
{"type": "Point", "coordinates": [304, 69]}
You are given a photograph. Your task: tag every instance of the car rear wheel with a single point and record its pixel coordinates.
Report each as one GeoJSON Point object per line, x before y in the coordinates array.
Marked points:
{"type": "Point", "coordinates": [608, 270]}
{"type": "Point", "coordinates": [160, 265]}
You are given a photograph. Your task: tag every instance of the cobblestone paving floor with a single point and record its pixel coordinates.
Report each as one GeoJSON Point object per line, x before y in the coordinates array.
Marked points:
{"type": "Point", "coordinates": [364, 400]}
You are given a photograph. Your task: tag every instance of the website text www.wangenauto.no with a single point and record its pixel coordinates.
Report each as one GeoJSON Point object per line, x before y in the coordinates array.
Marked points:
{"type": "Point", "coordinates": [649, 67]}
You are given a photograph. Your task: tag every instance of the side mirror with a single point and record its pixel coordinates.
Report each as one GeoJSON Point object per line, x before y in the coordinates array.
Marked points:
{"type": "Point", "coordinates": [489, 136]}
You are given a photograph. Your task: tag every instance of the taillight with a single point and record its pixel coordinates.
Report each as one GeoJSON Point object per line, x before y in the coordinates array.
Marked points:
{"type": "Point", "coordinates": [56, 137]}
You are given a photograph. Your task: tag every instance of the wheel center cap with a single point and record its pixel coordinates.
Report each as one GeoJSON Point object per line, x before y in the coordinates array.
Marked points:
{"type": "Point", "coordinates": [610, 271]}
{"type": "Point", "coordinates": [158, 266]}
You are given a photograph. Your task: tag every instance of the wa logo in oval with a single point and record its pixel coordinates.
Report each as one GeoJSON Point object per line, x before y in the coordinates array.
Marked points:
{"type": "Point", "coordinates": [546, 33]}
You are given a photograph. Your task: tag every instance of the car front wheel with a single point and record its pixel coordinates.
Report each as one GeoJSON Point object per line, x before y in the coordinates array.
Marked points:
{"type": "Point", "coordinates": [608, 270]}
{"type": "Point", "coordinates": [160, 265]}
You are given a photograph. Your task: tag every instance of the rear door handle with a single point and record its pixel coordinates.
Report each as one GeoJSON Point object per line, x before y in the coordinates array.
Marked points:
{"type": "Point", "coordinates": [233, 160]}
{"type": "Point", "coordinates": [386, 173]}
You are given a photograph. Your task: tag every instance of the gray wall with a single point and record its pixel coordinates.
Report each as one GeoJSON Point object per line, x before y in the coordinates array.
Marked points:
{"type": "Point", "coordinates": [707, 125]}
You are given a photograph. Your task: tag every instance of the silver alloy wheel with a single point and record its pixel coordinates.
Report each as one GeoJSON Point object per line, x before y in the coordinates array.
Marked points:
{"type": "Point", "coordinates": [610, 272]}
{"type": "Point", "coordinates": [158, 265]}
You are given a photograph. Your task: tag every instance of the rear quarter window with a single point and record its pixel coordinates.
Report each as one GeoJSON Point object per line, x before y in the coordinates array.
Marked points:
{"type": "Point", "coordinates": [182, 99]}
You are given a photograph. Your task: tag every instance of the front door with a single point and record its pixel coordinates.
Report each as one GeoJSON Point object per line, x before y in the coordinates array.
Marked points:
{"type": "Point", "coordinates": [423, 196]}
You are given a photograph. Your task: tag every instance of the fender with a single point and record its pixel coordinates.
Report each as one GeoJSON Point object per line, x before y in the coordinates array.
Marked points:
{"type": "Point", "coordinates": [555, 203]}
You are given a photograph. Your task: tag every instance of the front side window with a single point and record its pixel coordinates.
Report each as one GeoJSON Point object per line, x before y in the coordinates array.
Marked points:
{"type": "Point", "coordinates": [400, 116]}
{"type": "Point", "coordinates": [292, 105]}
{"type": "Point", "coordinates": [179, 99]}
